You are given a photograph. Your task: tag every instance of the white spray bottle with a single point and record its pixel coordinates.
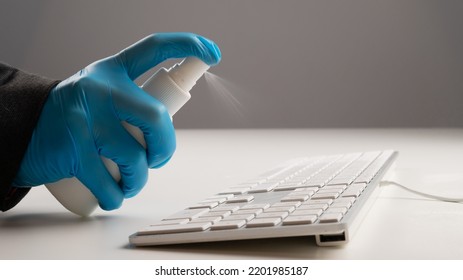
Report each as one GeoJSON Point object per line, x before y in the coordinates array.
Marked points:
{"type": "Point", "coordinates": [172, 88]}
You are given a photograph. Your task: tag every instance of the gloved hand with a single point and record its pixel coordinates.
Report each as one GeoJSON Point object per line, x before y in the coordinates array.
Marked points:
{"type": "Point", "coordinates": [81, 120]}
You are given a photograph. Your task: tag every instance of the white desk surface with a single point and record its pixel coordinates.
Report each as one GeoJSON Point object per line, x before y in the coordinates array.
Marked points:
{"type": "Point", "coordinates": [400, 225]}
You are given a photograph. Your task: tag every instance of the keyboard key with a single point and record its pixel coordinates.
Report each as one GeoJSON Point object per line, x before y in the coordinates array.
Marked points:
{"type": "Point", "coordinates": [242, 198]}
{"type": "Point", "coordinates": [304, 212]}
{"type": "Point", "coordinates": [341, 181]}
{"type": "Point", "coordinates": [187, 214]}
{"type": "Point", "coordinates": [325, 196]}
{"type": "Point", "coordinates": [346, 204]}
{"type": "Point", "coordinates": [299, 220]}
{"type": "Point", "coordinates": [243, 186]}
{"type": "Point", "coordinates": [246, 217]}
{"type": "Point", "coordinates": [256, 206]}
{"type": "Point", "coordinates": [364, 179]}
{"type": "Point", "coordinates": [306, 190]}
{"type": "Point", "coordinates": [321, 179]}
{"type": "Point", "coordinates": [297, 193]}
{"type": "Point", "coordinates": [174, 228]}
{"type": "Point", "coordinates": [218, 200]}
{"type": "Point", "coordinates": [256, 181]}
{"type": "Point", "coordinates": [233, 224]}
{"type": "Point", "coordinates": [208, 205]}
{"type": "Point", "coordinates": [281, 215]}
{"type": "Point", "coordinates": [295, 198]}
{"type": "Point", "coordinates": [220, 196]}
{"type": "Point", "coordinates": [221, 208]}
{"type": "Point", "coordinates": [354, 190]}
{"type": "Point", "coordinates": [295, 181]}
{"type": "Point", "coordinates": [235, 191]}
{"type": "Point", "coordinates": [330, 218]}
{"type": "Point", "coordinates": [248, 211]}
{"type": "Point", "coordinates": [288, 209]}
{"type": "Point", "coordinates": [311, 184]}
{"type": "Point", "coordinates": [323, 191]}
{"type": "Point", "coordinates": [300, 177]}
{"type": "Point", "coordinates": [340, 187]}
{"type": "Point", "coordinates": [347, 201]}
{"type": "Point", "coordinates": [332, 209]}
{"type": "Point", "coordinates": [313, 206]}
{"type": "Point", "coordinates": [264, 222]}
{"type": "Point", "coordinates": [260, 190]}
{"type": "Point", "coordinates": [286, 187]}
{"type": "Point", "coordinates": [287, 204]}
{"type": "Point", "coordinates": [318, 201]}
{"type": "Point", "coordinates": [171, 222]}
{"type": "Point", "coordinates": [266, 187]}
{"type": "Point", "coordinates": [222, 214]}
{"type": "Point", "coordinates": [212, 220]}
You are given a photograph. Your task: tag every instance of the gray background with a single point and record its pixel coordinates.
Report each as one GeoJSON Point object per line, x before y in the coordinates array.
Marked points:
{"type": "Point", "coordinates": [294, 63]}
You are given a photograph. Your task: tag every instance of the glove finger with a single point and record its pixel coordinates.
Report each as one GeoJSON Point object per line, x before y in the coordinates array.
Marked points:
{"type": "Point", "coordinates": [94, 175]}
{"type": "Point", "coordinates": [162, 163]}
{"type": "Point", "coordinates": [151, 116]}
{"type": "Point", "coordinates": [154, 49]}
{"type": "Point", "coordinates": [115, 143]}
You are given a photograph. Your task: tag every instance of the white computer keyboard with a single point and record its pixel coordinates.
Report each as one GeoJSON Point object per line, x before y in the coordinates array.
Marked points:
{"type": "Point", "coordinates": [321, 196]}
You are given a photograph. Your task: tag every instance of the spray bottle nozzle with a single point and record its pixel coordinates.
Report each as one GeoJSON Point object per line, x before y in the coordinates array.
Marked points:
{"type": "Point", "coordinates": [172, 87]}
{"type": "Point", "coordinates": [187, 72]}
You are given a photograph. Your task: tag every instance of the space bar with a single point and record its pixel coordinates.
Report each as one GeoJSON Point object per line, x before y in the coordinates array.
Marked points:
{"type": "Point", "coordinates": [174, 228]}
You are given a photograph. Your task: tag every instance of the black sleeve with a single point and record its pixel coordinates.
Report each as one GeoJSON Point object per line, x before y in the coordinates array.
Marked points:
{"type": "Point", "coordinates": [22, 96]}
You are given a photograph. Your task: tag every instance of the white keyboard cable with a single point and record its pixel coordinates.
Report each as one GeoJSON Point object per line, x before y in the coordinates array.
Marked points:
{"type": "Point", "coordinates": [437, 197]}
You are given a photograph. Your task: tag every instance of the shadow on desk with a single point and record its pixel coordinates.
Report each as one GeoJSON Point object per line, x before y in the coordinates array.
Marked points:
{"type": "Point", "coordinates": [43, 220]}
{"type": "Point", "coordinates": [303, 247]}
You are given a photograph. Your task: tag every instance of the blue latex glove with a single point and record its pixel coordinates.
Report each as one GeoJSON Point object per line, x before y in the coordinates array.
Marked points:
{"type": "Point", "coordinates": [81, 120]}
